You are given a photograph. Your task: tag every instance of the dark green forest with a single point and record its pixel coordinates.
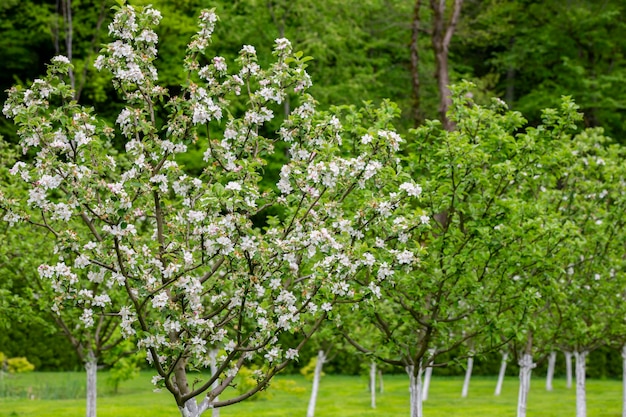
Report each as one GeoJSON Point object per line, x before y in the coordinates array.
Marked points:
{"type": "Point", "coordinates": [528, 53]}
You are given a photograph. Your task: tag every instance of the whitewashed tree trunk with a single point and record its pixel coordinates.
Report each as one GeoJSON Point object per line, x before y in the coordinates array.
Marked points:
{"type": "Point", "coordinates": [505, 357]}
{"type": "Point", "coordinates": [568, 369]}
{"type": "Point", "coordinates": [381, 387]}
{"type": "Point", "coordinates": [550, 374]}
{"type": "Point", "coordinates": [213, 365]}
{"type": "Point", "coordinates": [91, 366]}
{"type": "Point", "coordinates": [427, 375]}
{"type": "Point", "coordinates": [193, 409]}
{"type": "Point", "coordinates": [321, 358]}
{"type": "Point", "coordinates": [468, 376]}
{"type": "Point", "coordinates": [373, 384]}
{"type": "Point", "coordinates": [581, 395]}
{"type": "Point", "coordinates": [415, 390]}
{"type": "Point", "coordinates": [624, 380]}
{"type": "Point", "coordinates": [526, 366]}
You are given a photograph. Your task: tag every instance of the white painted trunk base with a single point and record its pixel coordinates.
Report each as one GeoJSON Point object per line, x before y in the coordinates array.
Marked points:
{"type": "Point", "coordinates": [381, 387]}
{"type": "Point", "coordinates": [91, 366]}
{"type": "Point", "coordinates": [321, 357]}
{"type": "Point", "coordinates": [526, 366]}
{"type": "Point", "coordinates": [427, 376]}
{"type": "Point", "coordinates": [624, 381]}
{"type": "Point", "coordinates": [415, 390]}
{"type": "Point", "coordinates": [568, 369]}
{"type": "Point", "coordinates": [193, 409]}
{"type": "Point", "coordinates": [373, 384]}
{"type": "Point", "coordinates": [581, 394]}
{"type": "Point", "coordinates": [550, 374]}
{"type": "Point", "coordinates": [468, 376]}
{"type": "Point", "coordinates": [505, 357]}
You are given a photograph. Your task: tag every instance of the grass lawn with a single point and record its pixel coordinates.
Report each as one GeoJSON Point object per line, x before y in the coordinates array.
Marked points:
{"type": "Point", "coordinates": [61, 395]}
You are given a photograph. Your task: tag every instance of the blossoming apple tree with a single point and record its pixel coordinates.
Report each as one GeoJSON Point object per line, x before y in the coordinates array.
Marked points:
{"type": "Point", "coordinates": [82, 315]}
{"type": "Point", "coordinates": [216, 260]}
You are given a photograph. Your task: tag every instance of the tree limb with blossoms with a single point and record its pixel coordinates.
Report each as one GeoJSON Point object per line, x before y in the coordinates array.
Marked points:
{"type": "Point", "coordinates": [216, 260]}
{"type": "Point", "coordinates": [85, 314]}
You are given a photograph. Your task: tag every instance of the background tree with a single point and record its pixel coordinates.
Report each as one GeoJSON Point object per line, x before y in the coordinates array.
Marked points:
{"type": "Point", "coordinates": [533, 52]}
{"type": "Point", "coordinates": [461, 290]}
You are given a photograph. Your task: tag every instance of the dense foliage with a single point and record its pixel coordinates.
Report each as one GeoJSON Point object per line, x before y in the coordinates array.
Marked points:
{"type": "Point", "coordinates": [527, 52]}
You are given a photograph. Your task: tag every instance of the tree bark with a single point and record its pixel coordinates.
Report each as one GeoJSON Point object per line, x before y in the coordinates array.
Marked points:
{"type": "Point", "coordinates": [321, 358]}
{"type": "Point", "coordinates": [509, 96]}
{"type": "Point", "coordinates": [415, 389]}
{"type": "Point", "coordinates": [91, 367]}
{"type": "Point", "coordinates": [624, 380]}
{"type": "Point", "coordinates": [550, 374]}
{"type": "Point", "coordinates": [192, 409]}
{"type": "Point", "coordinates": [213, 365]}
{"type": "Point", "coordinates": [468, 376]}
{"type": "Point", "coordinates": [440, 38]}
{"type": "Point", "coordinates": [568, 369]}
{"type": "Point", "coordinates": [505, 356]}
{"type": "Point", "coordinates": [373, 384]}
{"type": "Point", "coordinates": [581, 395]}
{"type": "Point", "coordinates": [415, 58]}
{"type": "Point", "coordinates": [427, 376]}
{"type": "Point", "coordinates": [526, 368]}
{"type": "Point", "coordinates": [66, 10]}
{"type": "Point", "coordinates": [381, 387]}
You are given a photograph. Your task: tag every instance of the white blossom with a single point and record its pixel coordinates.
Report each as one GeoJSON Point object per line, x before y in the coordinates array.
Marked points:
{"type": "Point", "coordinates": [160, 300]}
{"type": "Point", "coordinates": [405, 257]}
{"type": "Point", "coordinates": [413, 190]}
{"type": "Point", "coordinates": [233, 186]}
{"type": "Point", "coordinates": [87, 317]}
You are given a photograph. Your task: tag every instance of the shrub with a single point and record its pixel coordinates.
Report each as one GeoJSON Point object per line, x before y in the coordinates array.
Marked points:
{"type": "Point", "coordinates": [19, 365]}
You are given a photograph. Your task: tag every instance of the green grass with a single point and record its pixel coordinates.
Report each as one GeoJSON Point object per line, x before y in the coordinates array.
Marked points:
{"type": "Point", "coordinates": [61, 395]}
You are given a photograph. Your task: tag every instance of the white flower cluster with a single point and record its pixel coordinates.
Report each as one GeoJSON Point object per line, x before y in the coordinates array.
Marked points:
{"type": "Point", "coordinates": [130, 57]}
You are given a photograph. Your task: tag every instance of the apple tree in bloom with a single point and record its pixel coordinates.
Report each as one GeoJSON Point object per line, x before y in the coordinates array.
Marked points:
{"type": "Point", "coordinates": [215, 260]}
{"type": "Point", "coordinates": [86, 314]}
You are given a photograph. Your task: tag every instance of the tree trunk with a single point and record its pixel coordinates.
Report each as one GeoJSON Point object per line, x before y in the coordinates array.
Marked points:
{"type": "Point", "coordinates": [381, 387]}
{"type": "Point", "coordinates": [91, 366]}
{"type": "Point", "coordinates": [415, 390]}
{"type": "Point", "coordinates": [440, 38]}
{"type": "Point", "coordinates": [568, 369]}
{"type": "Point", "coordinates": [468, 376]}
{"type": "Point", "coordinates": [526, 366]}
{"type": "Point", "coordinates": [550, 375]}
{"type": "Point", "coordinates": [415, 75]}
{"type": "Point", "coordinates": [427, 375]}
{"type": "Point", "coordinates": [213, 365]}
{"type": "Point", "coordinates": [321, 357]}
{"type": "Point", "coordinates": [505, 356]}
{"type": "Point", "coordinates": [509, 96]}
{"type": "Point", "coordinates": [373, 384]}
{"type": "Point", "coordinates": [581, 395]}
{"type": "Point", "coordinates": [66, 10]}
{"type": "Point", "coordinates": [624, 380]}
{"type": "Point", "coordinates": [192, 409]}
